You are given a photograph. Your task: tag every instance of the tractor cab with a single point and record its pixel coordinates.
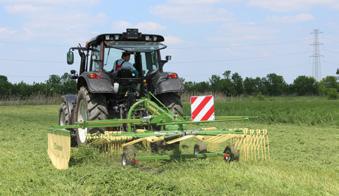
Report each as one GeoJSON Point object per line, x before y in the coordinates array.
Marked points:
{"type": "Point", "coordinates": [144, 50]}
{"type": "Point", "coordinates": [102, 58]}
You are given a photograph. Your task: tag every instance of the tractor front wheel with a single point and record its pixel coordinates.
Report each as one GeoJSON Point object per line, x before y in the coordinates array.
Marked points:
{"type": "Point", "coordinates": [89, 107]}
{"type": "Point", "coordinates": [65, 118]}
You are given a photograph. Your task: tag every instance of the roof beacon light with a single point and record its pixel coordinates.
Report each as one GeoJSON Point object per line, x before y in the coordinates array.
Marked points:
{"type": "Point", "coordinates": [155, 38]}
{"type": "Point", "coordinates": [116, 37]}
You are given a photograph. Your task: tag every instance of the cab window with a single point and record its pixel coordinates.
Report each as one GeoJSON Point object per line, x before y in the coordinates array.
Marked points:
{"type": "Point", "coordinates": [95, 59]}
{"type": "Point", "coordinates": [111, 55]}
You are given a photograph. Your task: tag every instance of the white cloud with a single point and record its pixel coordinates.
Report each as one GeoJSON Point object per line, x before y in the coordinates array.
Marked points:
{"type": "Point", "coordinates": [190, 2]}
{"type": "Point", "coordinates": [173, 40]}
{"type": "Point", "coordinates": [199, 11]}
{"type": "Point", "coordinates": [28, 6]}
{"type": "Point", "coordinates": [287, 5]}
{"type": "Point", "coordinates": [145, 27]}
{"type": "Point", "coordinates": [21, 8]}
{"type": "Point", "coordinates": [62, 20]}
{"type": "Point", "coordinates": [66, 27]}
{"type": "Point", "coordinates": [303, 17]}
{"type": "Point", "coordinates": [6, 32]}
{"type": "Point", "coordinates": [150, 26]}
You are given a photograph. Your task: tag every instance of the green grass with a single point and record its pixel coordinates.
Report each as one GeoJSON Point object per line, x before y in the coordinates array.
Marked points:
{"type": "Point", "coordinates": [304, 159]}
{"type": "Point", "coordinates": [294, 110]}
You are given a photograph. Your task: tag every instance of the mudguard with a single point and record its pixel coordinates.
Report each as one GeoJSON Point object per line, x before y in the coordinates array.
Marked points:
{"type": "Point", "coordinates": [163, 84]}
{"type": "Point", "coordinates": [102, 84]}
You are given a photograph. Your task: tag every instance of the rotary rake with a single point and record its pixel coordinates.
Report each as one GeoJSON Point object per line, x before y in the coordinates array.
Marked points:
{"type": "Point", "coordinates": [157, 131]}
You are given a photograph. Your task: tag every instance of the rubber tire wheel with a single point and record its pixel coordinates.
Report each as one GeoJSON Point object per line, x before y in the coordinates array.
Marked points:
{"type": "Point", "coordinates": [173, 102]}
{"type": "Point", "coordinates": [96, 107]}
{"type": "Point", "coordinates": [234, 154]}
{"type": "Point", "coordinates": [199, 148]}
{"type": "Point", "coordinates": [128, 156]}
{"type": "Point", "coordinates": [65, 118]}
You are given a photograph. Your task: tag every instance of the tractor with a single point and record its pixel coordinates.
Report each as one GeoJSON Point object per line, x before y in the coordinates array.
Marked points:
{"type": "Point", "coordinates": [135, 110]}
{"type": "Point", "coordinates": [107, 93]}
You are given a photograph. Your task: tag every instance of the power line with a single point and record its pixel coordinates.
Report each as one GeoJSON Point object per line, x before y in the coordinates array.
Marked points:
{"type": "Point", "coordinates": [239, 59]}
{"type": "Point", "coordinates": [28, 76]}
{"type": "Point", "coordinates": [235, 45]}
{"type": "Point", "coordinates": [331, 62]}
{"type": "Point", "coordinates": [179, 61]}
{"type": "Point", "coordinates": [332, 51]}
{"type": "Point", "coordinates": [30, 60]}
{"type": "Point", "coordinates": [66, 45]}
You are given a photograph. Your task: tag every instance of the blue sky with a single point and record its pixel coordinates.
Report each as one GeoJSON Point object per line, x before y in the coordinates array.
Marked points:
{"type": "Point", "coordinates": [204, 37]}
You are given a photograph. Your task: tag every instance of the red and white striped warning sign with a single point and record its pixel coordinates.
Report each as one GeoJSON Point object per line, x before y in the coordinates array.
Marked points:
{"type": "Point", "coordinates": [202, 108]}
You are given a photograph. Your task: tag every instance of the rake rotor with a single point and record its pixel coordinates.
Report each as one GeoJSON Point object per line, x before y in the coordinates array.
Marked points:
{"type": "Point", "coordinates": [233, 144]}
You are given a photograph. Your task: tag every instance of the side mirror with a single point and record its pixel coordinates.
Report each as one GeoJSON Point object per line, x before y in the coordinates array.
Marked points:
{"type": "Point", "coordinates": [168, 58]}
{"type": "Point", "coordinates": [163, 62]}
{"type": "Point", "coordinates": [70, 57]}
{"type": "Point", "coordinates": [74, 74]}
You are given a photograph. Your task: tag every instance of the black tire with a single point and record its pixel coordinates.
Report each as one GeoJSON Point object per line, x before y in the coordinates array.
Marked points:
{"type": "Point", "coordinates": [128, 156]}
{"type": "Point", "coordinates": [89, 107]}
{"type": "Point", "coordinates": [199, 148]}
{"type": "Point", "coordinates": [173, 102]}
{"type": "Point", "coordinates": [64, 115]}
{"type": "Point", "coordinates": [65, 118]}
{"type": "Point", "coordinates": [232, 154]}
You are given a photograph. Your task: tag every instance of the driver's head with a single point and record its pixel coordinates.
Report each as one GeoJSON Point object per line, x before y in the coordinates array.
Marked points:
{"type": "Point", "coordinates": [126, 56]}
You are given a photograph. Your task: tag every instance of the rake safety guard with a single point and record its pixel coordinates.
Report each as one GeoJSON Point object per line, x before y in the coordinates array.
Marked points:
{"type": "Point", "coordinates": [59, 148]}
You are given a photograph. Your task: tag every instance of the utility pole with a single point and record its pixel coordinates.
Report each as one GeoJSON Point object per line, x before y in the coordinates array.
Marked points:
{"type": "Point", "coordinates": [316, 61]}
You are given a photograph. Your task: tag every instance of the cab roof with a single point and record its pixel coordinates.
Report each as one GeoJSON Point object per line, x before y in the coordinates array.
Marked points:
{"type": "Point", "coordinates": [131, 35]}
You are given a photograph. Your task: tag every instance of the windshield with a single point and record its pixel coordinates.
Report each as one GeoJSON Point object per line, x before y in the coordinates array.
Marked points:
{"type": "Point", "coordinates": [144, 61]}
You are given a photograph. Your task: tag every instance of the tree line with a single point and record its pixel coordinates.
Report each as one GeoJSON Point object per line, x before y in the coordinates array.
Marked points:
{"type": "Point", "coordinates": [54, 86]}
{"type": "Point", "coordinates": [232, 84]}
{"type": "Point", "coordinates": [228, 84]}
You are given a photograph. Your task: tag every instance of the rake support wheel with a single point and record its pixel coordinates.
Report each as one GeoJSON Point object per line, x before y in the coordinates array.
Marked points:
{"type": "Point", "coordinates": [128, 156]}
{"type": "Point", "coordinates": [199, 148]}
{"type": "Point", "coordinates": [231, 154]}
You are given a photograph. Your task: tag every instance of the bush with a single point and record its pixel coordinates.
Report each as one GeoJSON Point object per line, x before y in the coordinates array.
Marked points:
{"type": "Point", "coordinates": [260, 97]}
{"type": "Point", "coordinates": [332, 93]}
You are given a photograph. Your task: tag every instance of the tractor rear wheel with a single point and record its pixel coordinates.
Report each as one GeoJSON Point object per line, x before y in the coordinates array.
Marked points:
{"type": "Point", "coordinates": [173, 102]}
{"type": "Point", "coordinates": [89, 107]}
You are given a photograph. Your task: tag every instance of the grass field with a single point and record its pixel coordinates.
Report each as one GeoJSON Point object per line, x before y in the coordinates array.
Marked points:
{"type": "Point", "coordinates": [304, 136]}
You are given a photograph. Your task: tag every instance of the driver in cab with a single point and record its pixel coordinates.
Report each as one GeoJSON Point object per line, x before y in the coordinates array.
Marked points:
{"type": "Point", "coordinates": [124, 63]}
